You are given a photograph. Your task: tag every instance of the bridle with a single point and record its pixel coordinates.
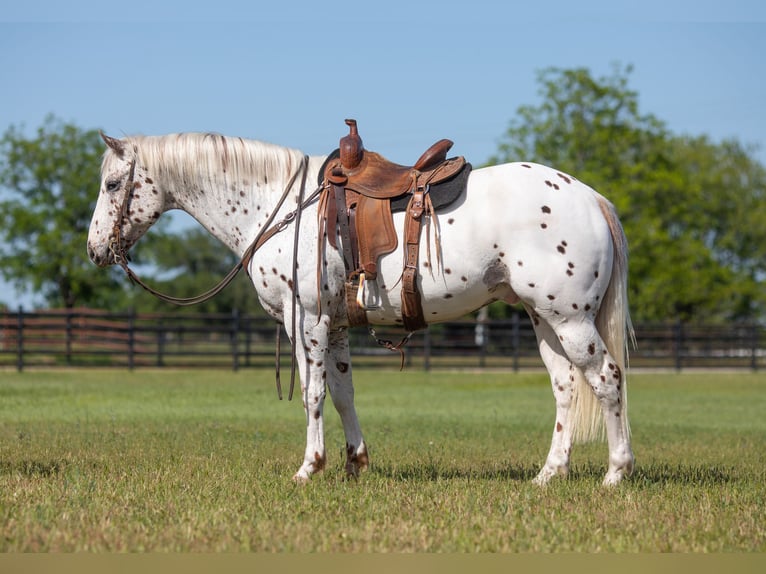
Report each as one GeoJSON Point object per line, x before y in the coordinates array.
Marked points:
{"type": "Point", "coordinates": [117, 243]}
{"type": "Point", "coordinates": [267, 231]}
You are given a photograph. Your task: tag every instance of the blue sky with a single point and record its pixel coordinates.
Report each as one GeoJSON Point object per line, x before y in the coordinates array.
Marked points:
{"type": "Point", "coordinates": [409, 72]}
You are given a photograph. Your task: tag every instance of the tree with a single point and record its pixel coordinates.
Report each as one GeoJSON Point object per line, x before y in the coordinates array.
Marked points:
{"type": "Point", "coordinates": [692, 209]}
{"type": "Point", "coordinates": [50, 183]}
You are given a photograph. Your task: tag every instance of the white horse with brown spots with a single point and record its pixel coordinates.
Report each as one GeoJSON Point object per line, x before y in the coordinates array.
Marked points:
{"type": "Point", "coordinates": [521, 232]}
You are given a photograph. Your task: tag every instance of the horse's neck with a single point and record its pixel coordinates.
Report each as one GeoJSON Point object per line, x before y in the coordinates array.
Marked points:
{"type": "Point", "coordinates": [235, 211]}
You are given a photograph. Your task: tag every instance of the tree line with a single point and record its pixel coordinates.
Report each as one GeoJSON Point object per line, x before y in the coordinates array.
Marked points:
{"type": "Point", "coordinates": [692, 208]}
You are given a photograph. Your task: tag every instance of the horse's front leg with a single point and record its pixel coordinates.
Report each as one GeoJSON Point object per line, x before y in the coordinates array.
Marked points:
{"type": "Point", "coordinates": [342, 394]}
{"type": "Point", "coordinates": [311, 354]}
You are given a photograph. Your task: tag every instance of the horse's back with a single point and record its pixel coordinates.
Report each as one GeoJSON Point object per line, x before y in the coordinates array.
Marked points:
{"type": "Point", "coordinates": [522, 230]}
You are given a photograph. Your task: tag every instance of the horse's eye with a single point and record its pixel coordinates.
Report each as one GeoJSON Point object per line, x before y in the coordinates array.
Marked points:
{"type": "Point", "coordinates": [112, 185]}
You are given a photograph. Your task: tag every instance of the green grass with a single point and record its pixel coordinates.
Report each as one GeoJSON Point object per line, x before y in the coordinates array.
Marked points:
{"type": "Point", "coordinates": [165, 460]}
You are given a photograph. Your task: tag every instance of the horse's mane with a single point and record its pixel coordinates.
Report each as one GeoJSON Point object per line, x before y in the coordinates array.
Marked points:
{"type": "Point", "coordinates": [177, 156]}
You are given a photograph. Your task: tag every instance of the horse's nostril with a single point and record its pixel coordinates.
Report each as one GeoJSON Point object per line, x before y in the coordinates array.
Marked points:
{"type": "Point", "coordinates": [95, 257]}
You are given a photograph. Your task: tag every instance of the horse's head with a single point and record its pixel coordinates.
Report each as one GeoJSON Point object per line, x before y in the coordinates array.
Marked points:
{"type": "Point", "coordinates": [128, 203]}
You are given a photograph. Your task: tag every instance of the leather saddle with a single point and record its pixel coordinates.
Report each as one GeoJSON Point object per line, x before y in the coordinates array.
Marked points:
{"type": "Point", "coordinates": [362, 190]}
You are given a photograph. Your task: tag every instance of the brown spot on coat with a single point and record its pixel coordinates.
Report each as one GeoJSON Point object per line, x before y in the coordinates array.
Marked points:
{"type": "Point", "coordinates": [497, 274]}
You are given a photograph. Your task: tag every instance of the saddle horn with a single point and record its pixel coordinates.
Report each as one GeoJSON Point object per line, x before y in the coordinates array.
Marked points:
{"type": "Point", "coordinates": [351, 148]}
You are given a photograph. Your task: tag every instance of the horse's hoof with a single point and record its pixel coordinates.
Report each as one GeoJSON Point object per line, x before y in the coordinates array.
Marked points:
{"type": "Point", "coordinates": [301, 477]}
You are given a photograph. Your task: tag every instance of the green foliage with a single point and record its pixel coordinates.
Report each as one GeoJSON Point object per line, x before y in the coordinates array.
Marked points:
{"type": "Point", "coordinates": [192, 461]}
{"type": "Point", "coordinates": [692, 209]}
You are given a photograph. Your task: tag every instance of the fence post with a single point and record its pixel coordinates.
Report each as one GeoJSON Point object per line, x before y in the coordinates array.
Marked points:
{"type": "Point", "coordinates": [68, 334]}
{"type": "Point", "coordinates": [515, 336]}
{"type": "Point", "coordinates": [754, 347]}
{"type": "Point", "coordinates": [234, 346]}
{"type": "Point", "coordinates": [161, 344]}
{"type": "Point", "coordinates": [427, 349]}
{"type": "Point", "coordinates": [248, 339]}
{"type": "Point", "coordinates": [131, 338]}
{"type": "Point", "coordinates": [678, 343]}
{"type": "Point", "coordinates": [20, 340]}
{"type": "Point", "coordinates": [481, 334]}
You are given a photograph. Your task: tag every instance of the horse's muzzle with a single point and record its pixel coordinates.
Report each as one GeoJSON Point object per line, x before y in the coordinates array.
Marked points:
{"type": "Point", "coordinates": [103, 257]}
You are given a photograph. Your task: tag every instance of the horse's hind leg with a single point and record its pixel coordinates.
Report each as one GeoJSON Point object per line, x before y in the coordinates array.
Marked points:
{"type": "Point", "coordinates": [562, 380]}
{"type": "Point", "coordinates": [586, 349]}
{"type": "Point", "coordinates": [342, 393]}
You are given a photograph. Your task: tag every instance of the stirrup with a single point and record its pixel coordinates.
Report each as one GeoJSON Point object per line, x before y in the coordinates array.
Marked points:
{"type": "Point", "coordinates": [361, 298]}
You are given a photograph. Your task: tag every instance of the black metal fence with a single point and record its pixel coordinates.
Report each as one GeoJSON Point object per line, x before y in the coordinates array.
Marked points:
{"type": "Point", "coordinates": [84, 338]}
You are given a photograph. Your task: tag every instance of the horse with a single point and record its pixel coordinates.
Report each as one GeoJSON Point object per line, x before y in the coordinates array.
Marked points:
{"type": "Point", "coordinates": [520, 232]}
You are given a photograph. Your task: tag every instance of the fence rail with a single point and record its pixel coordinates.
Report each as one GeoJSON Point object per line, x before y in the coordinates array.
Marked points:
{"type": "Point", "coordinates": [85, 337]}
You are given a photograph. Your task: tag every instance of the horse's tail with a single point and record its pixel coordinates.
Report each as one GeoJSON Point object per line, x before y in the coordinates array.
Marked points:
{"type": "Point", "coordinates": [615, 328]}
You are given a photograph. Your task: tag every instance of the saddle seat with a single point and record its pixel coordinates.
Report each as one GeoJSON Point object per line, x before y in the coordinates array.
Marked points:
{"type": "Point", "coordinates": [379, 178]}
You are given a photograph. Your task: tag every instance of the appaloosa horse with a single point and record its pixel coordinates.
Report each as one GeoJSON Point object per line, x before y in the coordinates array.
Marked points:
{"type": "Point", "coordinates": [521, 232]}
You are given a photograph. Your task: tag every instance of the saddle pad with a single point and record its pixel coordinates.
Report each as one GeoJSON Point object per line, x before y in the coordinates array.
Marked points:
{"type": "Point", "coordinates": [442, 194]}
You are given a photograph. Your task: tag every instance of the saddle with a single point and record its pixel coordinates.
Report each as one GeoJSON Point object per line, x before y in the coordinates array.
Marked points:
{"type": "Point", "coordinates": [362, 190]}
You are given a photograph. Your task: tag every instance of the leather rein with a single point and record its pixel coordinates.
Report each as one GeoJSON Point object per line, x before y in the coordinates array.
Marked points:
{"type": "Point", "coordinates": [117, 248]}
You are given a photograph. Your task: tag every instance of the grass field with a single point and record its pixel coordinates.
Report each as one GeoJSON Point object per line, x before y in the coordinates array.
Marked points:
{"type": "Point", "coordinates": [166, 460]}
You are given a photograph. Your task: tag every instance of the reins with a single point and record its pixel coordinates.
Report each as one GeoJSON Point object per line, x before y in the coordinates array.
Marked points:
{"type": "Point", "coordinates": [267, 232]}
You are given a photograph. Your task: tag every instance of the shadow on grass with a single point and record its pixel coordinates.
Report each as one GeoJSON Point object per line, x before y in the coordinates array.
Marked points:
{"type": "Point", "coordinates": [652, 474]}
{"type": "Point", "coordinates": [702, 475]}
{"type": "Point", "coordinates": [662, 473]}
{"type": "Point", "coordinates": [430, 471]}
{"type": "Point", "coordinates": [33, 468]}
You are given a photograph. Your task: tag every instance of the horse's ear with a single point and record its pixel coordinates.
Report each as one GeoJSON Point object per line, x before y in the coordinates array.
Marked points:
{"type": "Point", "coordinates": [114, 144]}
